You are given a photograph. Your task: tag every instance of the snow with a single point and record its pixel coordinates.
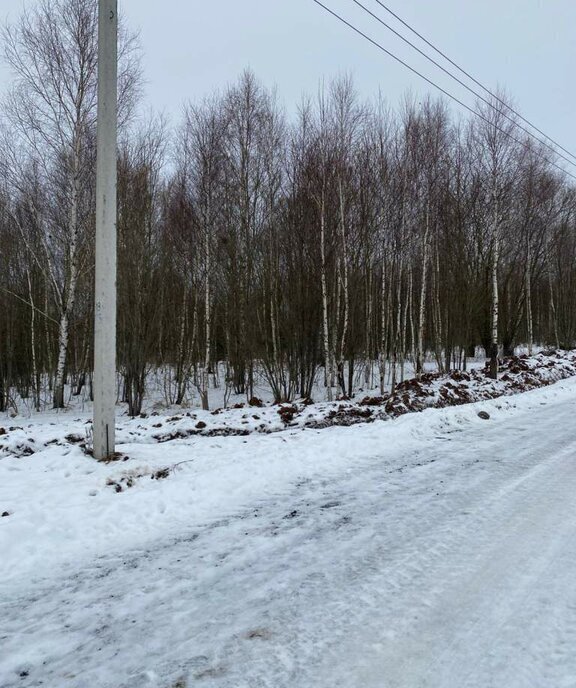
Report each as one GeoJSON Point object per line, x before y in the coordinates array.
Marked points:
{"type": "Point", "coordinates": [435, 549]}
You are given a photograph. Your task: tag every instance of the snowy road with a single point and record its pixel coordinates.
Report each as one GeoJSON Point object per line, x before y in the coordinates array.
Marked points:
{"type": "Point", "coordinates": [440, 552]}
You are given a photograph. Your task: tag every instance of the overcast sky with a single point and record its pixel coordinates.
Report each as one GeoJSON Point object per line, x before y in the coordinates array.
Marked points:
{"type": "Point", "coordinates": [192, 48]}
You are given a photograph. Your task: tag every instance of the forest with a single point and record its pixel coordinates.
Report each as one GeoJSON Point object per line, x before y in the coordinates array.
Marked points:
{"type": "Point", "coordinates": [329, 247]}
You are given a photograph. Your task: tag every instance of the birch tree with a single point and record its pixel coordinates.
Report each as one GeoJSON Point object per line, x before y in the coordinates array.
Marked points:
{"type": "Point", "coordinates": [496, 148]}
{"type": "Point", "coordinates": [52, 51]}
{"type": "Point", "coordinates": [204, 169]}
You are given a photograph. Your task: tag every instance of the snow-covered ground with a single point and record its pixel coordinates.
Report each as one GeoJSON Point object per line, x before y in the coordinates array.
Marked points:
{"type": "Point", "coordinates": [437, 549]}
{"type": "Point", "coordinates": [161, 389]}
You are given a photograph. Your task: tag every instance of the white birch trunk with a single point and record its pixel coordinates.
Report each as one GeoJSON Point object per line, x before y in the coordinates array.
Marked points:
{"type": "Point", "coordinates": [181, 356]}
{"type": "Point", "coordinates": [495, 303]}
{"type": "Point", "coordinates": [207, 332]}
{"type": "Point", "coordinates": [528, 300]}
{"type": "Point", "coordinates": [422, 305]}
{"type": "Point", "coordinates": [368, 371]}
{"type": "Point", "coordinates": [329, 370]}
{"type": "Point", "coordinates": [405, 313]}
{"type": "Point", "coordinates": [69, 295]}
{"type": "Point", "coordinates": [35, 377]}
{"type": "Point", "coordinates": [58, 397]}
{"type": "Point", "coordinates": [207, 315]}
{"type": "Point", "coordinates": [383, 331]}
{"type": "Point", "coordinates": [346, 295]}
{"type": "Point", "coordinates": [553, 318]}
{"type": "Point", "coordinates": [439, 329]}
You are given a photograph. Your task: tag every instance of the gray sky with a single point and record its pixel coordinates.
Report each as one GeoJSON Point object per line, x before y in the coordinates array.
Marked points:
{"type": "Point", "coordinates": [192, 48]}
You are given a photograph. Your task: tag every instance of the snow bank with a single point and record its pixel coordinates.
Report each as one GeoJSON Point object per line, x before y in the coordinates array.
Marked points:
{"type": "Point", "coordinates": [431, 390]}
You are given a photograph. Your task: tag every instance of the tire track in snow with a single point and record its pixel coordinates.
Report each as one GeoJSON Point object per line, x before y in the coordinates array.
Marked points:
{"type": "Point", "coordinates": [513, 552]}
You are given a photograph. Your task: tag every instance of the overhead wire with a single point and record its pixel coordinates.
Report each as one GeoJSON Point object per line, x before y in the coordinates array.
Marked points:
{"type": "Point", "coordinates": [472, 78]}
{"type": "Point", "coordinates": [470, 89]}
{"type": "Point", "coordinates": [432, 83]}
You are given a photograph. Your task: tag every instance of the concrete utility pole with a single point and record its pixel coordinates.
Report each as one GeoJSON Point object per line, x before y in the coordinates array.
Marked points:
{"type": "Point", "coordinates": [105, 281]}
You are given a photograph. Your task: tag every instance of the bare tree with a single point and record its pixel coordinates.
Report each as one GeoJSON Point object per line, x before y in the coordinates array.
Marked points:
{"type": "Point", "coordinates": [52, 51]}
{"type": "Point", "coordinates": [497, 150]}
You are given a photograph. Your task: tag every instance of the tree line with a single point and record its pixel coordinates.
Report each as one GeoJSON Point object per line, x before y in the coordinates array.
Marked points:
{"type": "Point", "coordinates": [332, 246]}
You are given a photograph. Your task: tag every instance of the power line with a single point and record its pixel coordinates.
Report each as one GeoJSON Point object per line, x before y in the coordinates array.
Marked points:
{"type": "Point", "coordinates": [468, 88]}
{"type": "Point", "coordinates": [478, 83]}
{"type": "Point", "coordinates": [432, 83]}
